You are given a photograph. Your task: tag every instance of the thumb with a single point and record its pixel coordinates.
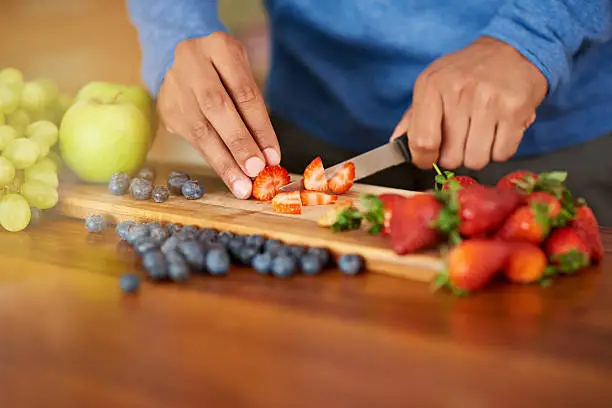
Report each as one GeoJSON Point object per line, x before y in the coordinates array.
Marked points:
{"type": "Point", "coordinates": [402, 126]}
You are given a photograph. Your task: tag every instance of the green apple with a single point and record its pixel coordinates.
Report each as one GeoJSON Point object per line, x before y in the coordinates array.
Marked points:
{"type": "Point", "coordinates": [97, 139]}
{"type": "Point", "coordinates": [107, 92]}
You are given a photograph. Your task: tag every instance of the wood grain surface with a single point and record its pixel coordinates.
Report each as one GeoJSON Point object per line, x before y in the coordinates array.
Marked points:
{"type": "Point", "coordinates": [69, 338]}
{"type": "Point", "coordinates": [219, 209]}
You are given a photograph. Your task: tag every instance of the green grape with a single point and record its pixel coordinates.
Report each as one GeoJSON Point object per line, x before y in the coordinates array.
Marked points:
{"type": "Point", "coordinates": [2, 119]}
{"type": "Point", "coordinates": [34, 96]}
{"type": "Point", "coordinates": [43, 129]}
{"type": "Point", "coordinates": [22, 152]}
{"type": "Point", "coordinates": [46, 163]}
{"type": "Point", "coordinates": [42, 171]}
{"type": "Point", "coordinates": [64, 102]}
{"type": "Point", "coordinates": [9, 99]}
{"type": "Point", "coordinates": [42, 145]}
{"type": "Point", "coordinates": [50, 89]}
{"type": "Point", "coordinates": [7, 172]}
{"type": "Point", "coordinates": [53, 156]}
{"type": "Point", "coordinates": [14, 212]}
{"type": "Point", "coordinates": [12, 77]}
{"type": "Point", "coordinates": [19, 120]}
{"type": "Point", "coordinates": [39, 194]}
{"type": "Point", "coordinates": [7, 135]}
{"type": "Point", "coordinates": [15, 186]}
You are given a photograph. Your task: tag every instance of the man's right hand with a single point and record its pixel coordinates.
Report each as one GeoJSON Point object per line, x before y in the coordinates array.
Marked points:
{"type": "Point", "coordinates": [210, 97]}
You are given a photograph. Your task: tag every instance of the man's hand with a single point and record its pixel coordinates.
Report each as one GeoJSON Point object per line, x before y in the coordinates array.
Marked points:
{"type": "Point", "coordinates": [209, 97]}
{"type": "Point", "coordinates": [472, 106]}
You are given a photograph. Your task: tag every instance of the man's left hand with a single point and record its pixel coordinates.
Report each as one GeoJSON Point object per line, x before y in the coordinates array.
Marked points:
{"type": "Point", "coordinates": [472, 106]}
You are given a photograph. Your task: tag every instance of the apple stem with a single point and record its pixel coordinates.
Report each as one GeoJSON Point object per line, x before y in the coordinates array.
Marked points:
{"type": "Point", "coordinates": [116, 97]}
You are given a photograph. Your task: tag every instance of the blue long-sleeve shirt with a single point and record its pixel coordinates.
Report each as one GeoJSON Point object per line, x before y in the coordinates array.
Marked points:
{"type": "Point", "coordinates": [345, 69]}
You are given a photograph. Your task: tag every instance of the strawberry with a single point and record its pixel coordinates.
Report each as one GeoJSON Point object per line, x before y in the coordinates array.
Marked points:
{"type": "Point", "coordinates": [269, 181]}
{"type": "Point", "coordinates": [343, 180]}
{"type": "Point", "coordinates": [567, 250]}
{"type": "Point", "coordinates": [526, 224]}
{"type": "Point", "coordinates": [510, 180]}
{"type": "Point", "coordinates": [585, 224]}
{"type": "Point", "coordinates": [387, 202]}
{"type": "Point", "coordinates": [314, 176]}
{"type": "Point", "coordinates": [412, 224]}
{"type": "Point", "coordinates": [526, 263]}
{"type": "Point", "coordinates": [448, 180]}
{"type": "Point", "coordinates": [472, 264]}
{"type": "Point", "coordinates": [550, 201]}
{"type": "Point", "coordinates": [317, 198]}
{"type": "Point", "coordinates": [287, 203]}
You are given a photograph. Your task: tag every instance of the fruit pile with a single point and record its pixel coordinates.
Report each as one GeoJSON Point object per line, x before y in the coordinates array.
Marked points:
{"type": "Point", "coordinates": [527, 226]}
{"type": "Point", "coordinates": [172, 252]}
{"type": "Point", "coordinates": [141, 186]}
{"type": "Point", "coordinates": [30, 112]}
{"type": "Point", "coordinates": [318, 189]}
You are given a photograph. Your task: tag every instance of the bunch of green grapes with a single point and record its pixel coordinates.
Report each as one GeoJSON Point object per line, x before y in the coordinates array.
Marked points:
{"type": "Point", "coordinates": [30, 113]}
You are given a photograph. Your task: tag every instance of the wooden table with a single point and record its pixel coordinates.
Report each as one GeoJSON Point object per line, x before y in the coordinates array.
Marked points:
{"type": "Point", "coordinates": [69, 338]}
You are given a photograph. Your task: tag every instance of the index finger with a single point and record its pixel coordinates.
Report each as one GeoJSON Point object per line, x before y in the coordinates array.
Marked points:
{"type": "Point", "coordinates": [232, 65]}
{"type": "Point", "coordinates": [425, 127]}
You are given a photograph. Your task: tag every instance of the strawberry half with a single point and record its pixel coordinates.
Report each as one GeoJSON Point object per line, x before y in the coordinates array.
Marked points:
{"type": "Point", "coordinates": [343, 180]}
{"type": "Point", "coordinates": [585, 224]}
{"type": "Point", "coordinates": [567, 250]}
{"type": "Point", "coordinates": [413, 223]}
{"type": "Point", "coordinates": [514, 179]}
{"type": "Point", "coordinates": [314, 176]}
{"type": "Point", "coordinates": [287, 203]}
{"type": "Point", "coordinates": [317, 198]}
{"type": "Point", "coordinates": [268, 182]}
{"type": "Point", "coordinates": [526, 263]}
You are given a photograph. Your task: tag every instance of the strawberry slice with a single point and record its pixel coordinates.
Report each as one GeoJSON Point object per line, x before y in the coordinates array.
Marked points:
{"type": "Point", "coordinates": [287, 203]}
{"type": "Point", "coordinates": [269, 181]}
{"type": "Point", "coordinates": [314, 176]}
{"type": "Point", "coordinates": [317, 198]}
{"type": "Point", "coordinates": [343, 180]}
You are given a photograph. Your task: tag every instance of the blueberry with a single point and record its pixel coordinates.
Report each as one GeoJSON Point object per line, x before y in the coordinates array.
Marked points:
{"type": "Point", "coordinates": [176, 183]}
{"type": "Point", "coordinates": [178, 174]}
{"type": "Point", "coordinates": [159, 234]}
{"type": "Point", "coordinates": [160, 194]}
{"type": "Point", "coordinates": [192, 190]}
{"type": "Point", "coordinates": [255, 241]}
{"type": "Point", "coordinates": [194, 254]}
{"type": "Point", "coordinates": [280, 250]}
{"type": "Point", "coordinates": [184, 235]}
{"type": "Point", "coordinates": [191, 230]}
{"type": "Point", "coordinates": [144, 245]}
{"type": "Point", "coordinates": [350, 264]}
{"type": "Point", "coordinates": [262, 263]}
{"type": "Point", "coordinates": [321, 253]}
{"type": "Point", "coordinates": [123, 228]}
{"type": "Point", "coordinates": [240, 239]}
{"type": "Point", "coordinates": [155, 264]}
{"type": "Point", "coordinates": [178, 270]}
{"type": "Point", "coordinates": [271, 244]}
{"type": "Point", "coordinates": [310, 264]}
{"type": "Point", "coordinates": [172, 228]}
{"type": "Point", "coordinates": [119, 184]}
{"type": "Point", "coordinates": [217, 262]}
{"type": "Point", "coordinates": [129, 283]}
{"type": "Point", "coordinates": [224, 237]}
{"type": "Point", "coordinates": [153, 224]}
{"type": "Point", "coordinates": [283, 266]}
{"type": "Point", "coordinates": [246, 255]}
{"type": "Point", "coordinates": [137, 231]}
{"type": "Point", "coordinates": [297, 251]}
{"type": "Point", "coordinates": [207, 234]}
{"type": "Point", "coordinates": [171, 244]}
{"type": "Point", "coordinates": [146, 173]}
{"type": "Point", "coordinates": [95, 223]}
{"type": "Point", "coordinates": [141, 189]}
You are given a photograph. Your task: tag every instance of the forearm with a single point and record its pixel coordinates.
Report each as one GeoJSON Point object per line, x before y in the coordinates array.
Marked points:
{"type": "Point", "coordinates": [162, 24]}
{"type": "Point", "coordinates": [550, 32]}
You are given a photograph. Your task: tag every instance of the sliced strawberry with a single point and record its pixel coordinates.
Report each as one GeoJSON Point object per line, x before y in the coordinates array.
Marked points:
{"type": "Point", "coordinates": [587, 227]}
{"type": "Point", "coordinates": [567, 250]}
{"type": "Point", "coordinates": [314, 176]}
{"type": "Point", "coordinates": [520, 176]}
{"type": "Point", "coordinates": [317, 198]}
{"type": "Point", "coordinates": [287, 203]}
{"type": "Point", "coordinates": [268, 183]}
{"type": "Point", "coordinates": [343, 180]}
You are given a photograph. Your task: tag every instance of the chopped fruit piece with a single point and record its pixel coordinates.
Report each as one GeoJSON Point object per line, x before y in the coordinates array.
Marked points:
{"type": "Point", "coordinates": [268, 182]}
{"type": "Point", "coordinates": [585, 224]}
{"type": "Point", "coordinates": [526, 224]}
{"type": "Point", "coordinates": [526, 263]}
{"type": "Point", "coordinates": [331, 217]}
{"type": "Point", "coordinates": [287, 203]}
{"type": "Point", "coordinates": [472, 264]}
{"type": "Point", "coordinates": [314, 176]}
{"type": "Point", "coordinates": [387, 201]}
{"type": "Point", "coordinates": [413, 223]}
{"type": "Point", "coordinates": [550, 201]}
{"type": "Point", "coordinates": [317, 198]}
{"type": "Point", "coordinates": [343, 180]}
{"type": "Point", "coordinates": [448, 180]}
{"type": "Point", "coordinates": [567, 250]}
{"type": "Point", "coordinates": [521, 176]}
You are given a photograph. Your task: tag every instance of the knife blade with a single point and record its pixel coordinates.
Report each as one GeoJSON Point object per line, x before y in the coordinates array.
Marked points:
{"type": "Point", "coordinates": [388, 155]}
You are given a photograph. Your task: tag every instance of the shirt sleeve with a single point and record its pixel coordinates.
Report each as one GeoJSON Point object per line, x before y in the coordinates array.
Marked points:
{"type": "Point", "coordinates": [549, 33]}
{"type": "Point", "coordinates": [162, 25]}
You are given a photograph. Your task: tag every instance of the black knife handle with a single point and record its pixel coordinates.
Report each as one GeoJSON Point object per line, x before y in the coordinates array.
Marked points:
{"type": "Point", "coordinates": [402, 142]}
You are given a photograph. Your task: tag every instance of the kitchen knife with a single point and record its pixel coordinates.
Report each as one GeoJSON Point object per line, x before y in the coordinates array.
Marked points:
{"type": "Point", "coordinates": [391, 154]}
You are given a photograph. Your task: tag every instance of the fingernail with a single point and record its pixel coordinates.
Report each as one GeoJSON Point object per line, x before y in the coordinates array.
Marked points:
{"type": "Point", "coordinates": [253, 166]}
{"type": "Point", "coordinates": [272, 156]}
{"type": "Point", "coordinates": [241, 188]}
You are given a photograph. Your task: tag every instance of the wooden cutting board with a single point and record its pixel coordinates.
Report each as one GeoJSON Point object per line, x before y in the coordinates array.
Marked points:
{"type": "Point", "coordinates": [220, 210]}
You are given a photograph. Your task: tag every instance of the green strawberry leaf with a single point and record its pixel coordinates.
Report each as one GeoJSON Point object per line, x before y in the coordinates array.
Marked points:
{"type": "Point", "coordinates": [349, 219]}
{"type": "Point", "coordinates": [375, 213]}
{"type": "Point", "coordinates": [546, 282]}
{"type": "Point", "coordinates": [440, 281]}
